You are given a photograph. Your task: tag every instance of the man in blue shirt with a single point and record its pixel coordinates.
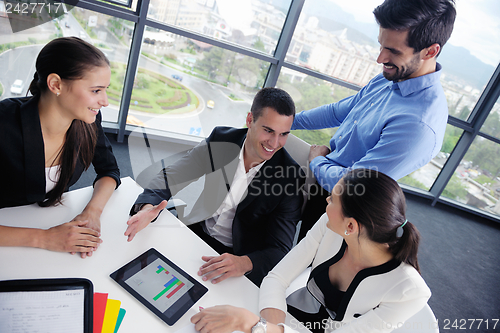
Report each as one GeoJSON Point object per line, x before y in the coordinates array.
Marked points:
{"type": "Point", "coordinates": [396, 123]}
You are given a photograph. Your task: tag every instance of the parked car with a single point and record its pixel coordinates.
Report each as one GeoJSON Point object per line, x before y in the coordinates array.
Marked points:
{"type": "Point", "coordinates": [17, 87]}
{"type": "Point", "coordinates": [134, 121]}
{"type": "Point", "coordinates": [177, 77]}
{"type": "Point", "coordinates": [210, 104]}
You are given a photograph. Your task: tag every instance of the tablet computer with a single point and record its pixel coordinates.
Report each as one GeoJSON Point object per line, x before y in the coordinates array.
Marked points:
{"type": "Point", "coordinates": [46, 305]}
{"type": "Point", "coordinates": [160, 285]}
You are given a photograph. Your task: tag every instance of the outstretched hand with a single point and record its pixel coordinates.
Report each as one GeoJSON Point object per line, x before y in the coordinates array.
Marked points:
{"type": "Point", "coordinates": [143, 218]}
{"type": "Point", "coordinates": [226, 265]}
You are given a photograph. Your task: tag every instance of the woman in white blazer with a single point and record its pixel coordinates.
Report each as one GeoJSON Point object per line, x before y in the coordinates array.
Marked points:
{"type": "Point", "coordinates": [365, 274]}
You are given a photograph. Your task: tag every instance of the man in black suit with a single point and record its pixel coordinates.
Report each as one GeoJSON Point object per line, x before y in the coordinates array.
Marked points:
{"type": "Point", "coordinates": [252, 197]}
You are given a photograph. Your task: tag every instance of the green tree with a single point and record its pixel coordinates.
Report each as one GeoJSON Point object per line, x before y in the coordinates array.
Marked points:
{"type": "Point", "coordinates": [259, 45]}
{"type": "Point", "coordinates": [464, 114]}
{"type": "Point", "coordinates": [451, 137]}
{"type": "Point", "coordinates": [486, 154]}
{"type": "Point", "coordinates": [213, 62]}
{"type": "Point", "coordinates": [492, 125]}
{"type": "Point", "coordinates": [410, 181]}
{"type": "Point", "coordinates": [456, 189]}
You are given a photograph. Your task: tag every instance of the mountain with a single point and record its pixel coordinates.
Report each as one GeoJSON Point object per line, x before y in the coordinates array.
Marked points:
{"type": "Point", "coordinates": [459, 62]}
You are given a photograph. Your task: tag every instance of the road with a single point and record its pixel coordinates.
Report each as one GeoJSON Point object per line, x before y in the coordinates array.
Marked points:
{"type": "Point", "coordinates": [18, 63]}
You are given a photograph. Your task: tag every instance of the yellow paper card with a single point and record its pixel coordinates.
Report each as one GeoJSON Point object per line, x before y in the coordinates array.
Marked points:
{"type": "Point", "coordinates": [110, 316]}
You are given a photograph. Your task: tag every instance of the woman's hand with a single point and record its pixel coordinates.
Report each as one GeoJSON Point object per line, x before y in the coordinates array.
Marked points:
{"type": "Point", "coordinates": [224, 319]}
{"type": "Point", "coordinates": [91, 215]}
{"type": "Point", "coordinates": [71, 237]}
{"type": "Point", "coordinates": [92, 219]}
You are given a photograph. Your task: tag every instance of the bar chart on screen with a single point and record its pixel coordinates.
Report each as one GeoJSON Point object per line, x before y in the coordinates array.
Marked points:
{"type": "Point", "coordinates": [159, 284]}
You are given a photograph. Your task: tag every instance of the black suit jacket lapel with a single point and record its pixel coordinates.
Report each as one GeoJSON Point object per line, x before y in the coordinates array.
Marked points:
{"type": "Point", "coordinates": [228, 169]}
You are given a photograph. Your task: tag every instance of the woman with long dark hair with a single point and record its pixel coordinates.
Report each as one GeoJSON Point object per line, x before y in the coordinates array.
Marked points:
{"type": "Point", "coordinates": [365, 274]}
{"type": "Point", "coordinates": [49, 139]}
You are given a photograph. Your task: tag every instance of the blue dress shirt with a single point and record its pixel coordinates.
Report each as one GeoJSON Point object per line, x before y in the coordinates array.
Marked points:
{"type": "Point", "coordinates": [392, 127]}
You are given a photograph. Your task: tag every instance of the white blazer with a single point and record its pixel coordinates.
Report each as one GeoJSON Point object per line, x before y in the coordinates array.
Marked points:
{"type": "Point", "coordinates": [377, 300]}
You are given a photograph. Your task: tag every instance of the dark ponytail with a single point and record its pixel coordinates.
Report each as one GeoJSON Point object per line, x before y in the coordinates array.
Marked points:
{"type": "Point", "coordinates": [34, 85]}
{"type": "Point", "coordinates": [405, 248]}
{"type": "Point", "coordinates": [70, 58]}
{"type": "Point", "coordinates": [378, 204]}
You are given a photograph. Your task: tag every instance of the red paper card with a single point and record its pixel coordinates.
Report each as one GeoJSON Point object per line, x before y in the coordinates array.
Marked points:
{"type": "Point", "coordinates": [100, 300]}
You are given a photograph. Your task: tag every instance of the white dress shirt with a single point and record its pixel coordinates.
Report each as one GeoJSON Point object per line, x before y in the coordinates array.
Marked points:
{"type": "Point", "coordinates": [220, 225]}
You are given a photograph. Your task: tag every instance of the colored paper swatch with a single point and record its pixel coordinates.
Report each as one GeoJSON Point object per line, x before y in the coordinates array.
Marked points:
{"type": "Point", "coordinates": [100, 300]}
{"type": "Point", "coordinates": [110, 316]}
{"type": "Point", "coordinates": [121, 314]}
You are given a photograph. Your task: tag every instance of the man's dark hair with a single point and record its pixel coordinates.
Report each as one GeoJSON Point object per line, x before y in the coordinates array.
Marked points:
{"type": "Point", "coordinates": [427, 21]}
{"type": "Point", "coordinates": [275, 98]}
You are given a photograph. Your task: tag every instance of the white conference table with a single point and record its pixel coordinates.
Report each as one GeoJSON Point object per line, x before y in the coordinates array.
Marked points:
{"type": "Point", "coordinates": [168, 235]}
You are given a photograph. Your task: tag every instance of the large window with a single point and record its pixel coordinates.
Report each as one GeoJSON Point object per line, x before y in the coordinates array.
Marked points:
{"type": "Point", "coordinates": [18, 51]}
{"type": "Point", "coordinates": [471, 55]}
{"type": "Point", "coordinates": [198, 64]}
{"type": "Point", "coordinates": [189, 87]}
{"type": "Point", "coordinates": [331, 40]}
{"type": "Point", "coordinates": [309, 92]}
{"type": "Point", "coordinates": [254, 24]}
{"type": "Point", "coordinates": [476, 181]}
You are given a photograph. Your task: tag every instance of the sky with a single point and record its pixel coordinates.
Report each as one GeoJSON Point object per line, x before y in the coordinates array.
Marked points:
{"type": "Point", "coordinates": [477, 26]}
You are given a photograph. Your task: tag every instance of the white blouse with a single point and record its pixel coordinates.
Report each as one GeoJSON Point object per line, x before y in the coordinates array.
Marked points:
{"type": "Point", "coordinates": [51, 177]}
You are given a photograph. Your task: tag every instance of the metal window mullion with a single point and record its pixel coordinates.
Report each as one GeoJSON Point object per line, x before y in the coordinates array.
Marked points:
{"type": "Point", "coordinates": [481, 110]}
{"type": "Point", "coordinates": [460, 124]}
{"type": "Point", "coordinates": [284, 42]}
{"type": "Point", "coordinates": [133, 63]}
{"type": "Point", "coordinates": [107, 9]}
{"type": "Point", "coordinates": [489, 137]}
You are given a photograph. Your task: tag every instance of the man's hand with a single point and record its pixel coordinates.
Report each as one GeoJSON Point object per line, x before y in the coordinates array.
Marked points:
{"type": "Point", "coordinates": [143, 218]}
{"type": "Point", "coordinates": [316, 151]}
{"type": "Point", "coordinates": [226, 265]}
{"type": "Point", "coordinates": [71, 237]}
{"type": "Point", "coordinates": [224, 319]}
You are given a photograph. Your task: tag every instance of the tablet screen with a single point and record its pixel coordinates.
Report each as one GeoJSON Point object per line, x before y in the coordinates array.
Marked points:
{"type": "Point", "coordinates": [160, 285]}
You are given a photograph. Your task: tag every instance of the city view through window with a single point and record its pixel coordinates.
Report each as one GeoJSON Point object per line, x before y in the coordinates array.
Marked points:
{"type": "Point", "coordinates": [187, 86]}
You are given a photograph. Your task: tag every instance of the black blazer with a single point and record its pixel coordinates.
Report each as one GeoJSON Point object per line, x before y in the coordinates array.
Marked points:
{"type": "Point", "coordinates": [22, 156]}
{"type": "Point", "coordinates": [265, 221]}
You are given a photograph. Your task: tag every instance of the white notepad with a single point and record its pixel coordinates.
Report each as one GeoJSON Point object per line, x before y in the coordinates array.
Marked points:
{"type": "Point", "coordinates": [42, 311]}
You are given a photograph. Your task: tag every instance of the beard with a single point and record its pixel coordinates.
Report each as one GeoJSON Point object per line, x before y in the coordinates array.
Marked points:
{"type": "Point", "coordinates": [405, 71]}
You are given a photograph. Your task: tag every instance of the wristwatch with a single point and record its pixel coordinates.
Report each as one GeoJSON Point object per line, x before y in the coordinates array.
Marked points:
{"type": "Point", "coordinates": [260, 327]}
